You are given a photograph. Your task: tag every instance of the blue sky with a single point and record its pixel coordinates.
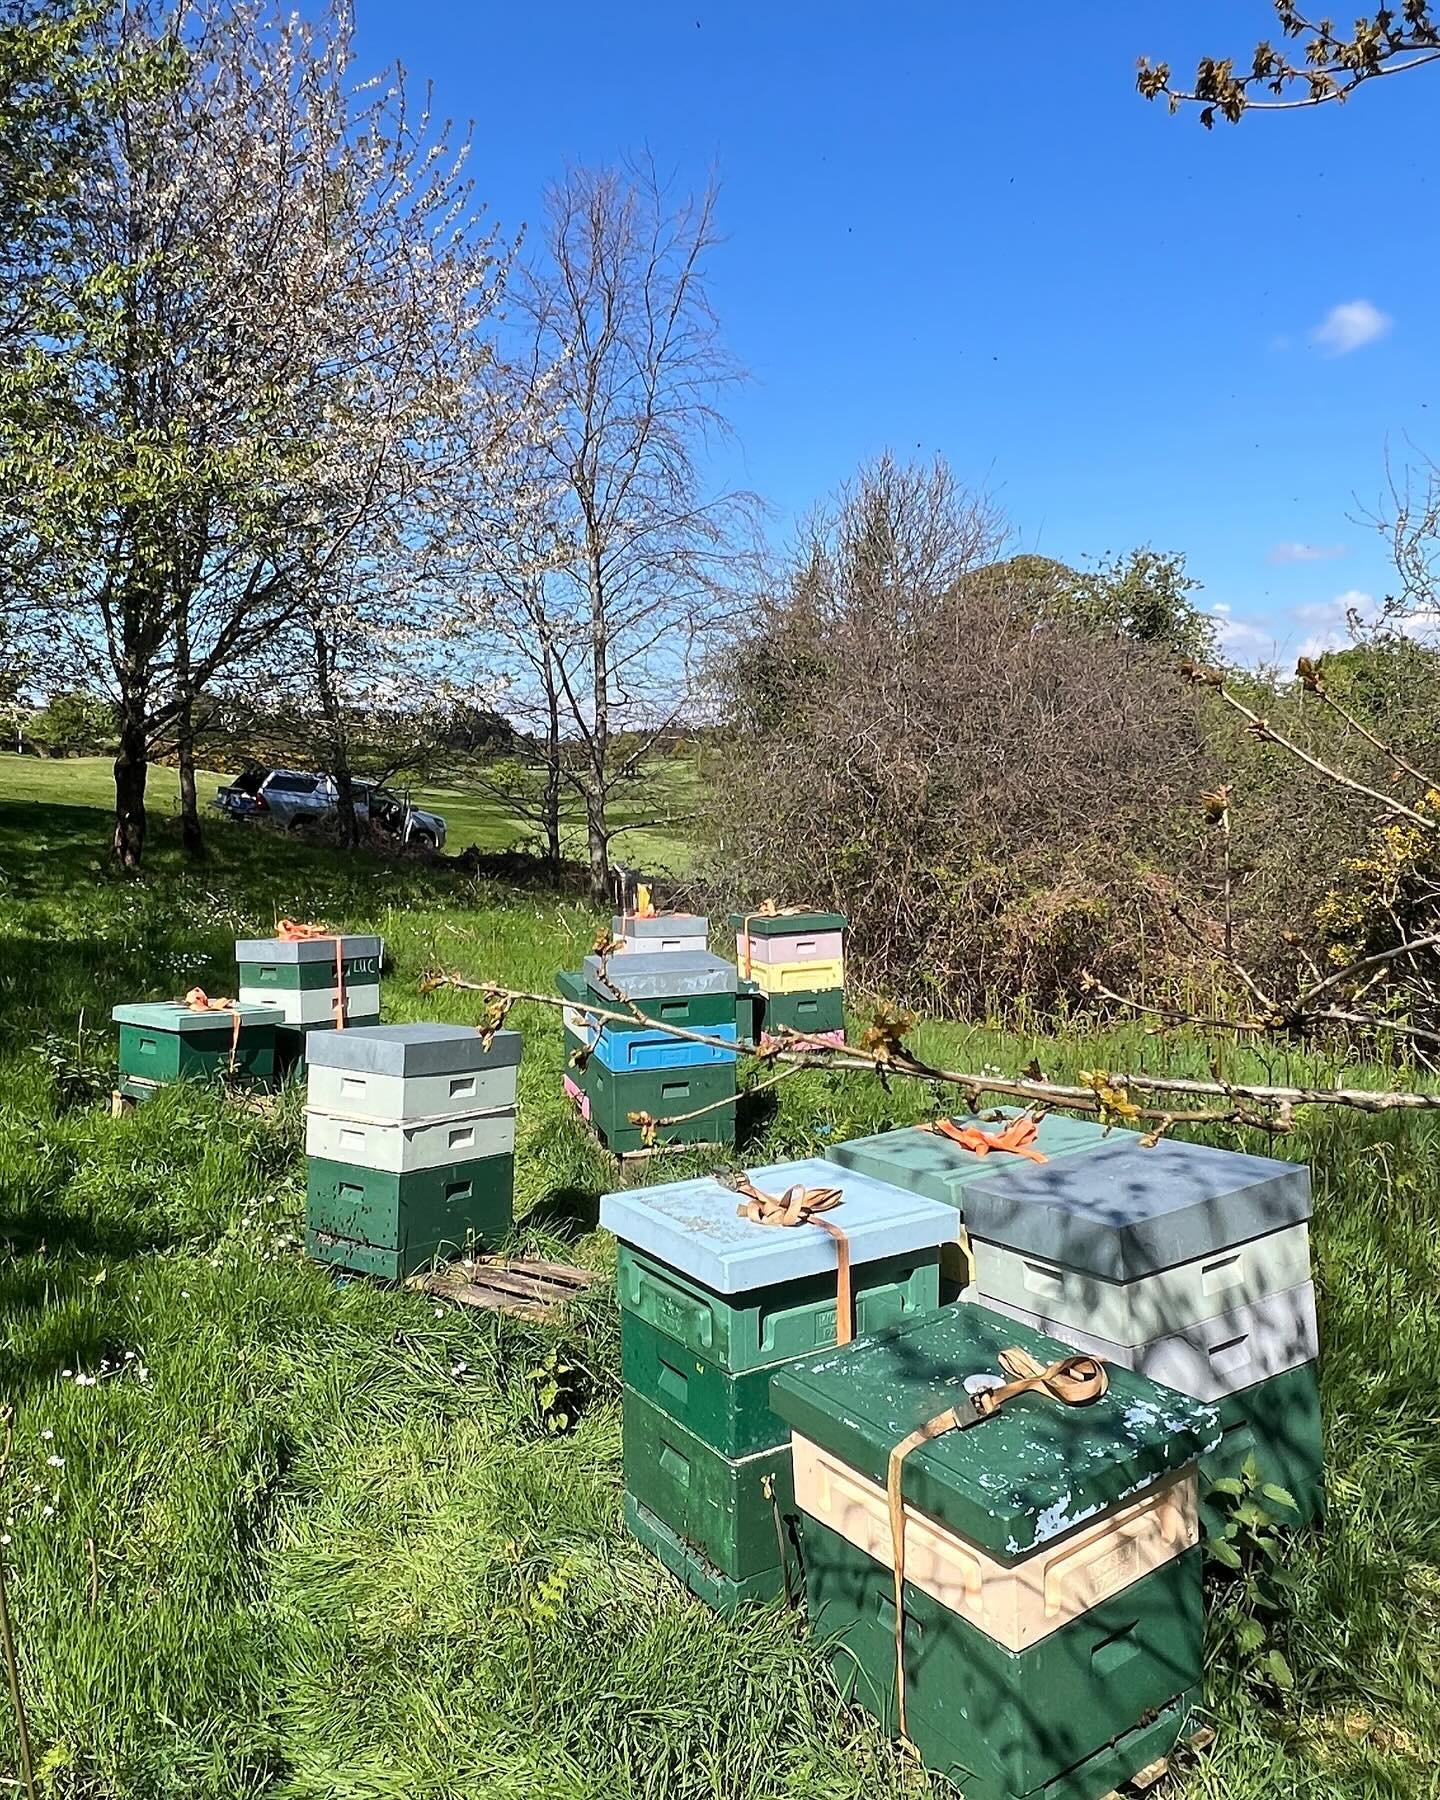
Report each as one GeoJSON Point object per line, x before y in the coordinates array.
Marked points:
{"type": "Point", "coordinates": [957, 228]}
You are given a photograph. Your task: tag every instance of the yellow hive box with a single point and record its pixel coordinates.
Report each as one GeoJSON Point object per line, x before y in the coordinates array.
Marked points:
{"type": "Point", "coordinates": [799, 977]}
{"type": "Point", "coordinates": [1019, 1603]}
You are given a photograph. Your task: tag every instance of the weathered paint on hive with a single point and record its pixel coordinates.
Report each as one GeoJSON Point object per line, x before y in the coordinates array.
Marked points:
{"type": "Point", "coordinates": [1034, 1471]}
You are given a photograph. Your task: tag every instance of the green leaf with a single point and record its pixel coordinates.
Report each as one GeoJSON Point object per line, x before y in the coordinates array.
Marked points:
{"type": "Point", "coordinates": [1279, 1671]}
{"type": "Point", "coordinates": [1225, 1553]}
{"type": "Point", "coordinates": [1250, 1635]}
{"type": "Point", "coordinates": [1228, 1485]}
{"type": "Point", "coordinates": [1250, 1471]}
{"type": "Point", "coordinates": [1281, 1496]}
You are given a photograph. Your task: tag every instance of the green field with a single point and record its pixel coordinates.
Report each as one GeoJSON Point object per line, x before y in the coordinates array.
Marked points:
{"type": "Point", "coordinates": [667, 791]}
{"type": "Point", "coordinates": [331, 1543]}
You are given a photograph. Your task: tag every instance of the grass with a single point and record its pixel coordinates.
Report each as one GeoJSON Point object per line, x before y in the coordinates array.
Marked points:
{"type": "Point", "coordinates": [314, 1540]}
{"type": "Point", "coordinates": [473, 816]}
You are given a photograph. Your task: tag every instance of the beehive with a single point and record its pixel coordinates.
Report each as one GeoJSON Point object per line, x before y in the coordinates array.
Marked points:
{"type": "Point", "coordinates": [711, 1304]}
{"type": "Point", "coordinates": [410, 1132]}
{"type": "Point", "coordinates": [626, 1069]}
{"type": "Point", "coordinates": [167, 1041]}
{"type": "Point", "coordinates": [1052, 1599]}
{"type": "Point", "coordinates": [309, 982]}
{"type": "Point", "coordinates": [1188, 1263]}
{"type": "Point", "coordinates": [794, 964]}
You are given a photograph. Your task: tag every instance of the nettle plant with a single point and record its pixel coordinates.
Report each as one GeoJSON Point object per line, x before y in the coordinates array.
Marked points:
{"type": "Point", "coordinates": [1253, 1590]}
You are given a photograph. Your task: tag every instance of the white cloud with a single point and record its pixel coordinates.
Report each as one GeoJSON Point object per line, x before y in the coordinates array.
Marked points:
{"type": "Point", "coordinates": [1309, 629]}
{"type": "Point", "coordinates": [1245, 642]}
{"type": "Point", "coordinates": [1350, 326]}
{"type": "Point", "coordinates": [1328, 621]}
{"type": "Point", "coordinates": [1222, 607]}
{"type": "Point", "coordinates": [1303, 553]}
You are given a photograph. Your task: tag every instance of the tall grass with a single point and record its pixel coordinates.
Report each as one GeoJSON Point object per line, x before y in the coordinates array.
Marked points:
{"type": "Point", "coordinates": [307, 1538]}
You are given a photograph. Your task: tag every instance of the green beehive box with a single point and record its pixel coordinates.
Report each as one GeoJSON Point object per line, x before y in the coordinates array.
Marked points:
{"type": "Point", "coordinates": [736, 1513]}
{"type": "Point", "coordinates": [926, 1163]}
{"type": "Point", "coordinates": [306, 977]}
{"type": "Point", "coordinates": [692, 1012]}
{"type": "Point", "coordinates": [722, 1593]}
{"type": "Point", "coordinates": [163, 1042]}
{"type": "Point", "coordinates": [1278, 1422]}
{"type": "Point", "coordinates": [1034, 1472]}
{"type": "Point", "coordinates": [614, 1095]}
{"type": "Point", "coordinates": [729, 1412]}
{"type": "Point", "coordinates": [1046, 1721]}
{"type": "Point", "coordinates": [767, 1325]}
{"type": "Point", "coordinates": [393, 1225]}
{"type": "Point", "coordinates": [822, 1010]}
{"type": "Point", "coordinates": [794, 924]}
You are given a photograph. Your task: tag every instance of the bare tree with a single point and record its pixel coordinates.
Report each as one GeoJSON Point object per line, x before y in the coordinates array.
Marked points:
{"type": "Point", "coordinates": [266, 336]}
{"type": "Point", "coordinates": [982, 776]}
{"type": "Point", "coordinates": [617, 315]}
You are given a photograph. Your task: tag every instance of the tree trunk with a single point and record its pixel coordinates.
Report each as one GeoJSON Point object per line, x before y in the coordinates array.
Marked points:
{"type": "Point", "coordinates": [596, 833]}
{"type": "Point", "coordinates": [132, 765]}
{"type": "Point", "coordinates": [553, 853]}
{"type": "Point", "coordinates": [599, 845]}
{"type": "Point", "coordinates": [192, 839]}
{"type": "Point", "coordinates": [337, 753]}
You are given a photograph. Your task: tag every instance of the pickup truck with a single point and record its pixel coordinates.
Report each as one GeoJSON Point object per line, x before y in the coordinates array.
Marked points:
{"type": "Point", "coordinates": [290, 797]}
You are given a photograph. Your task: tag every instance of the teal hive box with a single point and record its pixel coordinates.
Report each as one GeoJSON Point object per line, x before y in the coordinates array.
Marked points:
{"type": "Point", "coordinates": [390, 1226]}
{"type": "Point", "coordinates": [769, 1325]}
{"type": "Point", "coordinates": [736, 1512]}
{"type": "Point", "coordinates": [1078, 1713]}
{"type": "Point", "coordinates": [723, 1593]}
{"type": "Point", "coordinates": [811, 1011]}
{"type": "Point", "coordinates": [662, 1093]}
{"type": "Point", "coordinates": [787, 924]}
{"type": "Point", "coordinates": [930, 1164]}
{"type": "Point", "coordinates": [163, 1042]}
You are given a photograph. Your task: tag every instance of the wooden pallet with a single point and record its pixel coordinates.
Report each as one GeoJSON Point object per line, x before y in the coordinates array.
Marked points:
{"type": "Point", "coordinates": [522, 1287]}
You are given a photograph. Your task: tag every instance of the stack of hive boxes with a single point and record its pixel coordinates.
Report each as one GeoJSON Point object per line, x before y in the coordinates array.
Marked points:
{"type": "Point", "coordinates": [310, 984]}
{"type": "Point", "coordinates": [410, 1132]}
{"type": "Point", "coordinates": [631, 1069]}
{"type": "Point", "coordinates": [792, 965]}
{"type": "Point", "coordinates": [167, 1041]}
{"type": "Point", "coordinates": [712, 1304]}
{"type": "Point", "coordinates": [1051, 1631]}
{"type": "Point", "coordinates": [1189, 1264]}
